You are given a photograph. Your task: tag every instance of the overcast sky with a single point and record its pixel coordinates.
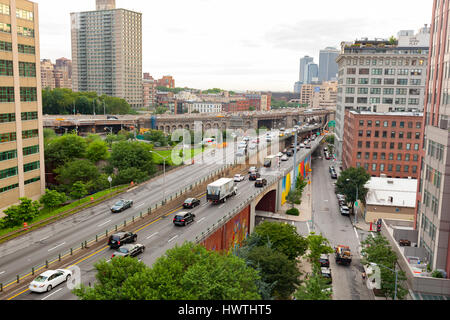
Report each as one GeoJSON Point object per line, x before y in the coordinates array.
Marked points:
{"type": "Point", "coordinates": [239, 44]}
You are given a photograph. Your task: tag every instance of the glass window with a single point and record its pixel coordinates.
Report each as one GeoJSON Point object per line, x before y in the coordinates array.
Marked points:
{"type": "Point", "coordinates": [24, 14]}
{"type": "Point", "coordinates": [8, 155]}
{"type": "Point", "coordinates": [30, 150]}
{"type": "Point", "coordinates": [5, 46]}
{"type": "Point", "coordinates": [11, 172]}
{"type": "Point", "coordinates": [27, 69]}
{"type": "Point", "coordinates": [26, 49]}
{"type": "Point", "coordinates": [28, 94]}
{"type": "Point", "coordinates": [6, 68]}
{"type": "Point", "coordinates": [25, 32]}
{"type": "Point", "coordinates": [7, 117]}
{"type": "Point", "coordinates": [31, 166]}
{"type": "Point", "coordinates": [4, 9]}
{"type": "Point", "coordinates": [5, 27]}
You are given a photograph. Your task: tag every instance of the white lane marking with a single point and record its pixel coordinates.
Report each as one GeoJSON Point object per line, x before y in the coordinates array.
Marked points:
{"type": "Point", "coordinates": [140, 205]}
{"type": "Point", "coordinates": [104, 223]}
{"type": "Point", "coordinates": [52, 293]}
{"type": "Point", "coordinates": [201, 219]}
{"type": "Point", "coordinates": [2, 272]}
{"type": "Point", "coordinates": [44, 238]}
{"type": "Point", "coordinates": [152, 235]}
{"type": "Point", "coordinates": [221, 206]}
{"type": "Point", "coordinates": [56, 246]}
{"type": "Point", "coordinates": [173, 238]}
{"type": "Point", "coordinates": [307, 225]}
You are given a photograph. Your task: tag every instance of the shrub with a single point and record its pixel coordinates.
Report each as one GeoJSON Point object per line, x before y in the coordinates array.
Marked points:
{"type": "Point", "coordinates": [293, 212]}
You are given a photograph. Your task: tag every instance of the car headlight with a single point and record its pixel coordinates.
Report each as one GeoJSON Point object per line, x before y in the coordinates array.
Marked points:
{"type": "Point", "coordinates": [41, 285]}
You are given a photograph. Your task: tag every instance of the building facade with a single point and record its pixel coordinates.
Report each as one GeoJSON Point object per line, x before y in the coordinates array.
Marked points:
{"type": "Point", "coordinates": [303, 70]}
{"type": "Point", "coordinates": [432, 218]}
{"type": "Point", "coordinates": [312, 73]}
{"type": "Point", "coordinates": [383, 143]}
{"type": "Point", "coordinates": [204, 107]}
{"type": "Point", "coordinates": [22, 169]}
{"type": "Point", "coordinates": [378, 73]}
{"type": "Point", "coordinates": [107, 52]}
{"type": "Point", "coordinates": [47, 74]}
{"type": "Point", "coordinates": [167, 82]}
{"type": "Point", "coordinates": [328, 67]}
{"type": "Point", "coordinates": [322, 95]}
{"type": "Point", "coordinates": [148, 91]}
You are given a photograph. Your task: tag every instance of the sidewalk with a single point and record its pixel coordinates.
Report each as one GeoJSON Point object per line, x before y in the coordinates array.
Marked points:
{"type": "Point", "coordinates": [304, 208]}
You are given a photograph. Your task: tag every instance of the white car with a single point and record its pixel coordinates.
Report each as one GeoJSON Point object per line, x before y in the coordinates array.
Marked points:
{"type": "Point", "coordinates": [239, 178]}
{"type": "Point", "coordinates": [284, 157]}
{"type": "Point", "coordinates": [49, 279]}
{"type": "Point", "coordinates": [279, 154]}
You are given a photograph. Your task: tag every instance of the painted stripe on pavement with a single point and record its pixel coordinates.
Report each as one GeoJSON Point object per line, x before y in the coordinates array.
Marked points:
{"type": "Point", "coordinates": [52, 293]}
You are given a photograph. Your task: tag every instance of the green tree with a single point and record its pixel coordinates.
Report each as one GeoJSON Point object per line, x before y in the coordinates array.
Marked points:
{"type": "Point", "coordinates": [187, 272]}
{"type": "Point", "coordinates": [317, 245]}
{"type": "Point", "coordinates": [160, 110]}
{"type": "Point", "coordinates": [77, 170]}
{"type": "Point", "coordinates": [277, 269]}
{"type": "Point", "coordinates": [53, 199]}
{"type": "Point", "coordinates": [293, 198]}
{"type": "Point", "coordinates": [63, 149]}
{"type": "Point", "coordinates": [357, 178]}
{"type": "Point", "coordinates": [79, 190]}
{"type": "Point", "coordinates": [127, 175]}
{"type": "Point", "coordinates": [314, 287]}
{"type": "Point", "coordinates": [26, 211]}
{"type": "Point", "coordinates": [378, 250]}
{"type": "Point", "coordinates": [283, 237]}
{"type": "Point", "coordinates": [97, 150]}
{"type": "Point", "coordinates": [132, 155]}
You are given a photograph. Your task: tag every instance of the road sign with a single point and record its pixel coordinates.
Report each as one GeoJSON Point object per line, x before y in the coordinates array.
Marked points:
{"type": "Point", "coordinates": [356, 203]}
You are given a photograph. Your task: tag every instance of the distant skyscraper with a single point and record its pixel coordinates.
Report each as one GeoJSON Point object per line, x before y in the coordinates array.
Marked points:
{"type": "Point", "coordinates": [107, 52]}
{"type": "Point", "coordinates": [312, 73]}
{"type": "Point", "coordinates": [298, 87]}
{"type": "Point", "coordinates": [328, 67]}
{"type": "Point", "coordinates": [303, 63]}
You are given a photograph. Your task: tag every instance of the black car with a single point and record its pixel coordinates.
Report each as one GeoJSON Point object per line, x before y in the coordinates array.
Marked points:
{"type": "Point", "coordinates": [267, 164]}
{"type": "Point", "coordinates": [259, 183]}
{"type": "Point", "coordinates": [254, 175]}
{"type": "Point", "coordinates": [333, 175]}
{"type": "Point", "coordinates": [183, 218]}
{"type": "Point", "coordinates": [290, 153]}
{"type": "Point", "coordinates": [129, 250]}
{"type": "Point", "coordinates": [111, 118]}
{"type": "Point", "coordinates": [190, 203]}
{"type": "Point", "coordinates": [324, 261]}
{"type": "Point", "coordinates": [120, 238]}
{"type": "Point", "coordinates": [121, 205]}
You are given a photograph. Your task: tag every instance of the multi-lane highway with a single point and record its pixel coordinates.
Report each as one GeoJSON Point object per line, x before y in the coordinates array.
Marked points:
{"type": "Point", "coordinates": [159, 235]}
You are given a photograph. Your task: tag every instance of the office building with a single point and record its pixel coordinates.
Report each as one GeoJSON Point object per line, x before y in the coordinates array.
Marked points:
{"type": "Point", "coordinates": [167, 82]}
{"type": "Point", "coordinates": [47, 74]}
{"type": "Point", "coordinates": [383, 143]}
{"type": "Point", "coordinates": [107, 52]}
{"type": "Point", "coordinates": [377, 74]}
{"type": "Point", "coordinates": [22, 166]}
{"type": "Point", "coordinates": [303, 68]}
{"type": "Point", "coordinates": [433, 198]}
{"type": "Point", "coordinates": [149, 91]}
{"type": "Point", "coordinates": [312, 73]}
{"type": "Point", "coordinates": [328, 67]}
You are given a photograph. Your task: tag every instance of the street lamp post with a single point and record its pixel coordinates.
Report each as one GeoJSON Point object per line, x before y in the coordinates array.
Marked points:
{"type": "Point", "coordinates": [396, 276]}
{"type": "Point", "coordinates": [355, 206]}
{"type": "Point", "coordinates": [164, 173]}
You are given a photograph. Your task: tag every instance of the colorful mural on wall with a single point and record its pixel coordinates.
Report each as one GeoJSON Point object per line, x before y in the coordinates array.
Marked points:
{"type": "Point", "coordinates": [303, 170]}
{"type": "Point", "coordinates": [231, 235]}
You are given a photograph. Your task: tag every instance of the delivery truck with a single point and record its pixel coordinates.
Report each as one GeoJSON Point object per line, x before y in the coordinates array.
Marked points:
{"type": "Point", "coordinates": [220, 190]}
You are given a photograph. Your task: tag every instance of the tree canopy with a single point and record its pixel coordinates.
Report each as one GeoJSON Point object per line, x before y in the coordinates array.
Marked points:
{"type": "Point", "coordinates": [187, 272]}
{"type": "Point", "coordinates": [357, 178]}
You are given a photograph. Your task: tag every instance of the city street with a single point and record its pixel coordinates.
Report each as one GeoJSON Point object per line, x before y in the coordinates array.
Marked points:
{"type": "Point", "coordinates": [338, 229]}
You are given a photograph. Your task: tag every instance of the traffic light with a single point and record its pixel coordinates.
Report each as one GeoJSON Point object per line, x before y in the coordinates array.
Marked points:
{"type": "Point", "coordinates": [379, 225]}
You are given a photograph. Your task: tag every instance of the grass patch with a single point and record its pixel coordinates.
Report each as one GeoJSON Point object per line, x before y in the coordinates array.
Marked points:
{"type": "Point", "coordinates": [176, 159]}
{"type": "Point", "coordinates": [48, 213]}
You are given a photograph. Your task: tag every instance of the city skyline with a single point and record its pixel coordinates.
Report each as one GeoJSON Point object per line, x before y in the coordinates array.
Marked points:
{"type": "Point", "coordinates": [247, 53]}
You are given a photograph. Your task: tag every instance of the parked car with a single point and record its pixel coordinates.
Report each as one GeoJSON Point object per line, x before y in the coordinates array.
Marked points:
{"type": "Point", "coordinates": [302, 145]}
{"type": "Point", "coordinates": [324, 261]}
{"type": "Point", "coordinates": [280, 154]}
{"type": "Point", "coordinates": [289, 153]}
{"type": "Point", "coordinates": [284, 157]}
{"type": "Point", "coordinates": [129, 250]}
{"type": "Point", "coordinates": [326, 273]}
{"type": "Point", "coordinates": [259, 183]}
{"type": "Point", "coordinates": [308, 146]}
{"type": "Point", "coordinates": [49, 279]}
{"type": "Point", "coordinates": [253, 176]}
{"type": "Point", "coordinates": [190, 203]}
{"type": "Point", "coordinates": [121, 205]}
{"type": "Point", "coordinates": [340, 196]}
{"type": "Point", "coordinates": [120, 238]}
{"type": "Point", "coordinates": [345, 211]}
{"type": "Point", "coordinates": [331, 168]}
{"type": "Point", "coordinates": [239, 177]}
{"type": "Point", "coordinates": [183, 218]}
{"type": "Point", "coordinates": [333, 175]}
{"type": "Point", "coordinates": [111, 118]}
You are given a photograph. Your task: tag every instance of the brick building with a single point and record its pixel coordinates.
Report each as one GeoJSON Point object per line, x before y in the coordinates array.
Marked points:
{"type": "Point", "coordinates": [149, 91]}
{"type": "Point", "coordinates": [383, 143]}
{"type": "Point", "coordinates": [166, 81]}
